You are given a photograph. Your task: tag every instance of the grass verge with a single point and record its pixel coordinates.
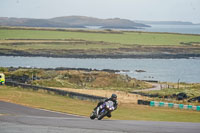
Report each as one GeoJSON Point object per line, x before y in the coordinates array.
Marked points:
{"type": "Point", "coordinates": [192, 90]}
{"type": "Point", "coordinates": [41, 99]}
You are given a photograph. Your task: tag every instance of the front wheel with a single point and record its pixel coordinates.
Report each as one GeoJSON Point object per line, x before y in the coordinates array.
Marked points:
{"type": "Point", "coordinates": [103, 114]}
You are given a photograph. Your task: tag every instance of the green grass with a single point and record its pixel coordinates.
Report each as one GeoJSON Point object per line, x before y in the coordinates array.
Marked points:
{"type": "Point", "coordinates": [60, 46]}
{"type": "Point", "coordinates": [35, 42]}
{"type": "Point", "coordinates": [125, 38]}
{"type": "Point", "coordinates": [78, 79]}
{"type": "Point", "coordinates": [41, 99]}
{"type": "Point", "coordinates": [192, 90]}
{"type": "Point", "coordinates": [138, 112]}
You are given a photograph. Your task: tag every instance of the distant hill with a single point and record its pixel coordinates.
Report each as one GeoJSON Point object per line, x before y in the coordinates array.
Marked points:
{"type": "Point", "coordinates": [72, 22]}
{"type": "Point", "coordinates": [165, 22]}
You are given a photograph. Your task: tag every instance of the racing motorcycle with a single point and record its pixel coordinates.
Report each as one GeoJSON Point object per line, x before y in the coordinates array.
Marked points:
{"type": "Point", "coordinates": [102, 110]}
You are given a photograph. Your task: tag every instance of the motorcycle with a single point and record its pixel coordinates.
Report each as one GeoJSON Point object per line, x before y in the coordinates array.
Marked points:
{"type": "Point", "coordinates": [102, 110]}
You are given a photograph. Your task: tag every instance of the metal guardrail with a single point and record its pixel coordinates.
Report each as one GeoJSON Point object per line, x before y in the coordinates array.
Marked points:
{"type": "Point", "coordinates": [152, 81]}
{"type": "Point", "coordinates": [57, 91]}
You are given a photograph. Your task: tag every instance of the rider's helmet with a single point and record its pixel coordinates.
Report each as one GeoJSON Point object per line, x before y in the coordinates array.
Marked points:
{"type": "Point", "coordinates": [114, 97]}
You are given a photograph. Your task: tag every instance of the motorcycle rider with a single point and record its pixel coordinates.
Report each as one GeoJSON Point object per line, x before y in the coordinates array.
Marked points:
{"type": "Point", "coordinates": [113, 98]}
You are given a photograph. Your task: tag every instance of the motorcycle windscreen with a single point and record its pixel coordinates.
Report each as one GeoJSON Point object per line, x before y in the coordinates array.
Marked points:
{"type": "Point", "coordinates": [109, 104]}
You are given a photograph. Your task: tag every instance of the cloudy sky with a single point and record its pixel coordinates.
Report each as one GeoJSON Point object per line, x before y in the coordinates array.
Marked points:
{"type": "Point", "coordinates": [162, 10]}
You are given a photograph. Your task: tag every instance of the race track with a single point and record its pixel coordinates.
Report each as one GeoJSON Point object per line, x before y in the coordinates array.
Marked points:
{"type": "Point", "coordinates": [20, 119]}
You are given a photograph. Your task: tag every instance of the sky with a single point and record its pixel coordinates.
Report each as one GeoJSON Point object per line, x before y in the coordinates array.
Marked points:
{"type": "Point", "coordinates": [156, 10]}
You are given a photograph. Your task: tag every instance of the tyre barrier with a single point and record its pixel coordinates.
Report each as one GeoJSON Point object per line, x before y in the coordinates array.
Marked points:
{"type": "Point", "coordinates": [172, 105]}
{"type": "Point", "coordinates": [57, 91]}
{"type": "Point", "coordinates": [198, 108]}
{"type": "Point", "coordinates": [161, 104]}
{"type": "Point", "coordinates": [180, 106]}
{"type": "Point", "coordinates": [143, 102]}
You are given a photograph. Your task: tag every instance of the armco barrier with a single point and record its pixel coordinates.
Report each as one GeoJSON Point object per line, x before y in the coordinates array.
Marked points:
{"type": "Point", "coordinates": [57, 91]}
{"type": "Point", "coordinates": [172, 105]}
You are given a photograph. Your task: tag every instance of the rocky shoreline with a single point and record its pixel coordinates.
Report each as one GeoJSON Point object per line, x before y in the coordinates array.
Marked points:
{"type": "Point", "coordinates": [112, 56]}
{"type": "Point", "coordinates": [153, 56]}
{"type": "Point", "coordinates": [63, 68]}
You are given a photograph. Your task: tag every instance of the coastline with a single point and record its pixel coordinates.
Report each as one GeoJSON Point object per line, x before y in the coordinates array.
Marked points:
{"type": "Point", "coordinates": [163, 70]}
{"type": "Point", "coordinates": [112, 56]}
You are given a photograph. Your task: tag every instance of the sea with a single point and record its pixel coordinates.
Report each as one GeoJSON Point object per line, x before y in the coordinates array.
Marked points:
{"type": "Point", "coordinates": [165, 70]}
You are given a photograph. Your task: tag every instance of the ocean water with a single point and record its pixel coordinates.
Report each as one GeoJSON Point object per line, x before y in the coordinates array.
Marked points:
{"type": "Point", "coordinates": [184, 29]}
{"type": "Point", "coordinates": [169, 70]}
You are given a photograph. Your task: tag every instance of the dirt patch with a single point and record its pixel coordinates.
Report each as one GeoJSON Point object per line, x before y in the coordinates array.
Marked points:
{"type": "Point", "coordinates": [123, 97]}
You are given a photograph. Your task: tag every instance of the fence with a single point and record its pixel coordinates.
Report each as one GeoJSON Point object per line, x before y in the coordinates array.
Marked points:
{"type": "Point", "coordinates": [57, 91]}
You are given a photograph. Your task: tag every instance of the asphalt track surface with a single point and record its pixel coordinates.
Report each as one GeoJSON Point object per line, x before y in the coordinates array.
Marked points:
{"type": "Point", "coordinates": [20, 119]}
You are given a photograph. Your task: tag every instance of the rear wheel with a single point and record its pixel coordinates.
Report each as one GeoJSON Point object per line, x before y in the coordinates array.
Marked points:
{"type": "Point", "coordinates": [92, 116]}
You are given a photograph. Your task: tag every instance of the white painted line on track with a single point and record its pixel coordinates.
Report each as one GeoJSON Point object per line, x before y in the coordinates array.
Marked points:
{"type": "Point", "coordinates": [63, 118]}
{"type": "Point", "coordinates": [60, 113]}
